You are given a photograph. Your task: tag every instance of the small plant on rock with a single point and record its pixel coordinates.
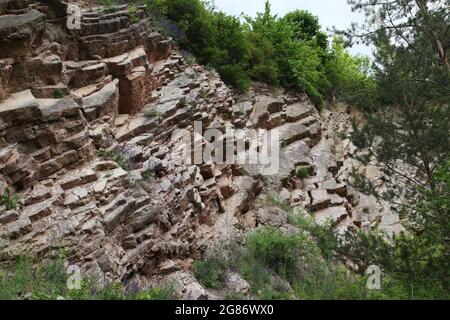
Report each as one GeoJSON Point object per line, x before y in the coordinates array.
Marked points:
{"type": "Point", "coordinates": [190, 59]}
{"type": "Point", "coordinates": [133, 12]}
{"type": "Point", "coordinates": [117, 157]}
{"type": "Point", "coordinates": [152, 113]}
{"type": "Point", "coordinates": [58, 94]}
{"type": "Point", "coordinates": [109, 6]}
{"type": "Point", "coordinates": [27, 278]}
{"type": "Point", "coordinates": [165, 292]}
{"type": "Point", "coordinates": [147, 175]}
{"type": "Point", "coordinates": [10, 200]}
{"type": "Point", "coordinates": [211, 272]}
{"type": "Point", "coordinates": [183, 102]}
{"type": "Point", "coordinates": [275, 200]}
{"type": "Point", "coordinates": [203, 93]}
{"type": "Point", "coordinates": [303, 172]}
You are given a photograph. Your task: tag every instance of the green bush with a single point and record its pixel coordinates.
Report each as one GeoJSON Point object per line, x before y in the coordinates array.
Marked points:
{"type": "Point", "coordinates": [24, 279]}
{"type": "Point", "coordinates": [58, 94]}
{"type": "Point", "coordinates": [133, 12]}
{"type": "Point", "coordinates": [303, 172]}
{"type": "Point", "coordinates": [290, 50]}
{"type": "Point", "coordinates": [109, 6]}
{"type": "Point", "coordinates": [152, 113]}
{"type": "Point", "coordinates": [183, 103]}
{"type": "Point", "coordinates": [278, 251]}
{"type": "Point", "coordinates": [166, 292]}
{"type": "Point", "coordinates": [147, 175]}
{"type": "Point", "coordinates": [211, 272]}
{"type": "Point", "coordinates": [350, 78]}
{"type": "Point", "coordinates": [236, 76]}
{"type": "Point", "coordinates": [10, 200]}
{"type": "Point", "coordinates": [116, 156]}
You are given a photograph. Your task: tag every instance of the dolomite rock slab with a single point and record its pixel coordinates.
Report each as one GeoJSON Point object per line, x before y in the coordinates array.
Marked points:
{"type": "Point", "coordinates": [291, 132]}
{"type": "Point", "coordinates": [187, 287]}
{"type": "Point", "coordinates": [272, 216]}
{"type": "Point", "coordinates": [138, 57]}
{"type": "Point", "coordinates": [269, 104]}
{"type": "Point", "coordinates": [5, 75]}
{"type": "Point", "coordinates": [243, 108]}
{"type": "Point", "coordinates": [298, 153]}
{"type": "Point", "coordinates": [135, 126]}
{"type": "Point", "coordinates": [333, 187]}
{"type": "Point", "coordinates": [54, 109]}
{"type": "Point", "coordinates": [117, 215]}
{"type": "Point", "coordinates": [135, 89]}
{"type": "Point", "coordinates": [18, 228]}
{"type": "Point", "coordinates": [18, 31]}
{"type": "Point", "coordinates": [78, 178]}
{"type": "Point", "coordinates": [20, 106]}
{"type": "Point", "coordinates": [320, 199]}
{"type": "Point", "coordinates": [50, 91]}
{"type": "Point", "coordinates": [102, 103]}
{"type": "Point", "coordinates": [236, 284]}
{"type": "Point", "coordinates": [335, 214]}
{"type": "Point", "coordinates": [39, 194]}
{"type": "Point", "coordinates": [9, 216]}
{"type": "Point", "coordinates": [298, 111]}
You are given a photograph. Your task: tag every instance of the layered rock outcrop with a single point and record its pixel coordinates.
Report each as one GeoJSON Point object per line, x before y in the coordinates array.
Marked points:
{"type": "Point", "coordinates": [93, 124]}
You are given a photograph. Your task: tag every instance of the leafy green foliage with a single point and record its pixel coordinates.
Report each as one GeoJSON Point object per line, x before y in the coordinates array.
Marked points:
{"type": "Point", "coordinates": [302, 172]}
{"type": "Point", "coordinates": [166, 292]}
{"type": "Point", "coordinates": [306, 27]}
{"type": "Point", "coordinates": [278, 251]}
{"type": "Point", "coordinates": [275, 200]}
{"type": "Point", "coordinates": [10, 200]}
{"type": "Point", "coordinates": [116, 156]}
{"type": "Point", "coordinates": [351, 78]}
{"type": "Point", "coordinates": [58, 94]}
{"type": "Point", "coordinates": [418, 260]}
{"type": "Point", "coordinates": [109, 5]}
{"type": "Point", "coordinates": [48, 281]}
{"type": "Point", "coordinates": [152, 113]}
{"type": "Point", "coordinates": [211, 272]}
{"type": "Point", "coordinates": [133, 12]}
{"type": "Point", "coordinates": [183, 102]}
{"type": "Point", "coordinates": [312, 263]}
{"type": "Point", "coordinates": [291, 51]}
{"type": "Point", "coordinates": [147, 175]}
{"type": "Point", "coordinates": [412, 87]}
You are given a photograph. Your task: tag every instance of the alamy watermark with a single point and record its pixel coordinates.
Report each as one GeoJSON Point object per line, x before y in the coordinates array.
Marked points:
{"type": "Point", "coordinates": [73, 17]}
{"type": "Point", "coordinates": [375, 277]}
{"type": "Point", "coordinates": [257, 147]}
{"type": "Point", "coordinates": [74, 276]}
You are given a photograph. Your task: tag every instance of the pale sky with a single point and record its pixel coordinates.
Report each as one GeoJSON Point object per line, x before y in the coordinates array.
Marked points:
{"type": "Point", "coordinates": [330, 12]}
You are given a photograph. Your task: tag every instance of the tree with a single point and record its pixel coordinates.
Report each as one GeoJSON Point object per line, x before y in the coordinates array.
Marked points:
{"type": "Point", "coordinates": [407, 137]}
{"type": "Point", "coordinates": [306, 27]}
{"type": "Point", "coordinates": [410, 131]}
{"type": "Point", "coordinates": [402, 21]}
{"type": "Point", "coordinates": [351, 77]}
{"type": "Point", "coordinates": [419, 260]}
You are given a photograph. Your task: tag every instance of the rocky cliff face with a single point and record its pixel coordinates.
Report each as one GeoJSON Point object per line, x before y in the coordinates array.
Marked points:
{"type": "Point", "coordinates": [135, 213]}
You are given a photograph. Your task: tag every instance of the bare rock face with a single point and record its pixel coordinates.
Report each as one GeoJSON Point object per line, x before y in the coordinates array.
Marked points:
{"type": "Point", "coordinates": [104, 102]}
{"type": "Point", "coordinates": [235, 283]}
{"type": "Point", "coordinates": [18, 32]}
{"type": "Point", "coordinates": [187, 287]}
